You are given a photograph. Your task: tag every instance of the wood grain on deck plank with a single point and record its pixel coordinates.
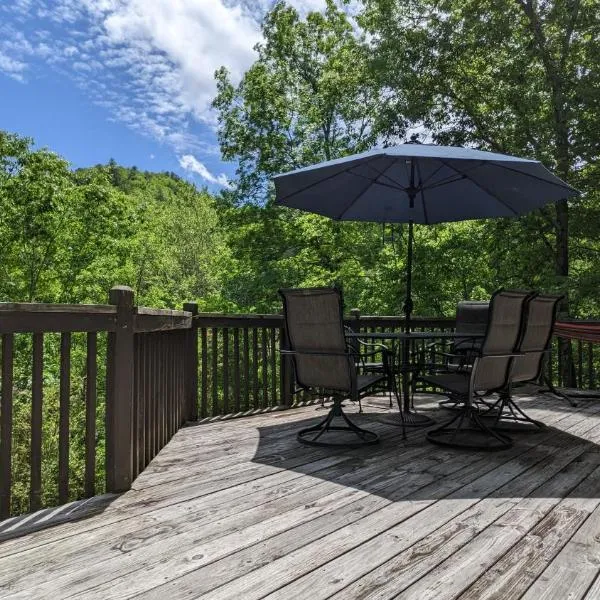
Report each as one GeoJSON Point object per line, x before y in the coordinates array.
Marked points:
{"type": "Point", "coordinates": [238, 509]}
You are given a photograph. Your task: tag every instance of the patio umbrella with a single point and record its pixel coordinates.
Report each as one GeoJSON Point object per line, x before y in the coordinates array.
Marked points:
{"type": "Point", "coordinates": [420, 183]}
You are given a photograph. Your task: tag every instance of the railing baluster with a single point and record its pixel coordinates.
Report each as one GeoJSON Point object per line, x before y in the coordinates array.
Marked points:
{"type": "Point", "coordinates": [255, 382]}
{"type": "Point", "coordinates": [236, 369]}
{"type": "Point", "coordinates": [274, 399]}
{"type": "Point", "coordinates": [64, 410]}
{"type": "Point", "coordinates": [167, 385]}
{"type": "Point", "coordinates": [155, 407]}
{"type": "Point", "coordinates": [35, 489]}
{"type": "Point", "coordinates": [142, 403]}
{"type": "Point", "coordinates": [162, 390]}
{"type": "Point", "coordinates": [215, 374]}
{"type": "Point", "coordinates": [225, 371]}
{"type": "Point", "coordinates": [204, 394]}
{"type": "Point", "coordinates": [265, 372]}
{"type": "Point", "coordinates": [246, 368]}
{"type": "Point", "coordinates": [579, 364]}
{"type": "Point", "coordinates": [590, 365]}
{"type": "Point", "coordinates": [136, 407]}
{"type": "Point", "coordinates": [91, 373]}
{"type": "Point", "coordinates": [6, 420]}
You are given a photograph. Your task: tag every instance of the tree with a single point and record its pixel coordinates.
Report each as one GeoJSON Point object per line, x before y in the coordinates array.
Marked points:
{"type": "Point", "coordinates": [308, 97]}
{"type": "Point", "coordinates": [517, 77]}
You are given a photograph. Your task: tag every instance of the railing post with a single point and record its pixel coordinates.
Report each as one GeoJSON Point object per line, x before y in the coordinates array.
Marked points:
{"type": "Point", "coordinates": [191, 365]}
{"type": "Point", "coordinates": [119, 393]}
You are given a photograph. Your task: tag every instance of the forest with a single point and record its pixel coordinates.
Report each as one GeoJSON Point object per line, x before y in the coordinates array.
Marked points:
{"type": "Point", "coordinates": [517, 77]}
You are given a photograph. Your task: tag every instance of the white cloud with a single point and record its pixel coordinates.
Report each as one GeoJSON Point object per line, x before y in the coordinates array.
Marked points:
{"type": "Point", "coordinates": [149, 63]}
{"type": "Point", "coordinates": [11, 67]}
{"type": "Point", "coordinates": [193, 165]}
{"type": "Point", "coordinates": [177, 46]}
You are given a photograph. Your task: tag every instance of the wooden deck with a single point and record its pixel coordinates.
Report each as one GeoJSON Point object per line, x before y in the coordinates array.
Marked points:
{"type": "Point", "coordinates": [240, 510]}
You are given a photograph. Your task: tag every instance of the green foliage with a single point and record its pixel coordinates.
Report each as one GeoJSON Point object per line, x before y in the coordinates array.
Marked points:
{"type": "Point", "coordinates": [70, 236]}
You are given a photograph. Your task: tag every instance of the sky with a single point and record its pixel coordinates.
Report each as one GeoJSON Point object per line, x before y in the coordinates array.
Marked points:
{"type": "Point", "coordinates": [130, 80]}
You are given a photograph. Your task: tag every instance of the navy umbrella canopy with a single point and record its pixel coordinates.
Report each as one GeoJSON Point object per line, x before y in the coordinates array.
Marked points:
{"type": "Point", "coordinates": [421, 183]}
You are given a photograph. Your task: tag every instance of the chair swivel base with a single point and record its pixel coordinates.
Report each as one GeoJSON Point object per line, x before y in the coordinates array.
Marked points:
{"type": "Point", "coordinates": [360, 436]}
{"type": "Point", "coordinates": [470, 433]}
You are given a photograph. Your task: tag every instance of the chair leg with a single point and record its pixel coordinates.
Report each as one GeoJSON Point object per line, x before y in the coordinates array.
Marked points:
{"type": "Point", "coordinates": [506, 412]}
{"type": "Point", "coordinates": [552, 390]}
{"type": "Point", "coordinates": [470, 433]}
{"type": "Point", "coordinates": [311, 435]}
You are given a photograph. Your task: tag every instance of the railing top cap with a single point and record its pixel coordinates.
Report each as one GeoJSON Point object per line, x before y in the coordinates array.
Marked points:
{"type": "Point", "coordinates": [38, 307]}
{"type": "Point", "coordinates": [162, 312]}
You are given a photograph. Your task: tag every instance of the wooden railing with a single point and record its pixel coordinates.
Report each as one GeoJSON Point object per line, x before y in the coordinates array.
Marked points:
{"type": "Point", "coordinates": [241, 370]}
{"type": "Point", "coordinates": [90, 394]}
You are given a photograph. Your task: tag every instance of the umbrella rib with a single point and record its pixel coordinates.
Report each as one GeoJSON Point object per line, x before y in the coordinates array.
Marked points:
{"type": "Point", "coordinates": [373, 182]}
{"type": "Point", "coordinates": [449, 179]}
{"type": "Point", "coordinates": [397, 186]}
{"type": "Point", "coordinates": [308, 187]}
{"type": "Point", "coordinates": [432, 175]}
{"type": "Point", "coordinates": [394, 187]}
{"type": "Point", "coordinates": [563, 185]}
{"type": "Point", "coordinates": [482, 187]}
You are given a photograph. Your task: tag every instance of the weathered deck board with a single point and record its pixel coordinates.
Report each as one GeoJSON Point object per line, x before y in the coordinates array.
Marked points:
{"type": "Point", "coordinates": [238, 509]}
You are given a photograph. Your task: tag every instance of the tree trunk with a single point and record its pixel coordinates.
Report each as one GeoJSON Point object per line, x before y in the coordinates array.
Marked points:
{"type": "Point", "coordinates": [567, 375]}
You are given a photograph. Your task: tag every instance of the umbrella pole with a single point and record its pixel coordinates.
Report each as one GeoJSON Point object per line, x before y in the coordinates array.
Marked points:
{"type": "Point", "coordinates": [408, 303]}
{"type": "Point", "coordinates": [411, 418]}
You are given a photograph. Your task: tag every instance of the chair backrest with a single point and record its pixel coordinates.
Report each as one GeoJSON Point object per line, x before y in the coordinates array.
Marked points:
{"type": "Point", "coordinates": [502, 336]}
{"type": "Point", "coordinates": [471, 318]}
{"type": "Point", "coordinates": [314, 327]}
{"type": "Point", "coordinates": [539, 316]}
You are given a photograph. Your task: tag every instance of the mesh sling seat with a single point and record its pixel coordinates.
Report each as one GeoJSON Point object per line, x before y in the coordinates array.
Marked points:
{"type": "Point", "coordinates": [539, 316]}
{"type": "Point", "coordinates": [315, 341]}
{"type": "Point", "coordinates": [489, 372]}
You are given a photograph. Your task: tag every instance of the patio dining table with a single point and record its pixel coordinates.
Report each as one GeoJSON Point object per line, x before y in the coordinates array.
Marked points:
{"type": "Point", "coordinates": [406, 370]}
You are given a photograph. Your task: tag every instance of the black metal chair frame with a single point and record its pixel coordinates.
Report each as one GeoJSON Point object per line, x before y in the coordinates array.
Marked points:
{"type": "Point", "coordinates": [505, 410]}
{"type": "Point", "coordinates": [312, 435]}
{"type": "Point", "coordinates": [385, 367]}
{"type": "Point", "coordinates": [447, 434]}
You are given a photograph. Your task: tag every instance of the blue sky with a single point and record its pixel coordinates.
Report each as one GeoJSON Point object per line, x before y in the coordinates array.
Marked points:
{"type": "Point", "coordinates": [125, 79]}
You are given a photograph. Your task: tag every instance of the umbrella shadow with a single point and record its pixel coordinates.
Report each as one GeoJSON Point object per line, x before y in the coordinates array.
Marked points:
{"type": "Point", "coordinates": [548, 463]}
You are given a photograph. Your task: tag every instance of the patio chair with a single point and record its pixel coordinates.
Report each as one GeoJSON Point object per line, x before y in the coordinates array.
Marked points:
{"type": "Point", "coordinates": [489, 372]}
{"type": "Point", "coordinates": [539, 316]}
{"type": "Point", "coordinates": [471, 319]}
{"type": "Point", "coordinates": [315, 340]}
